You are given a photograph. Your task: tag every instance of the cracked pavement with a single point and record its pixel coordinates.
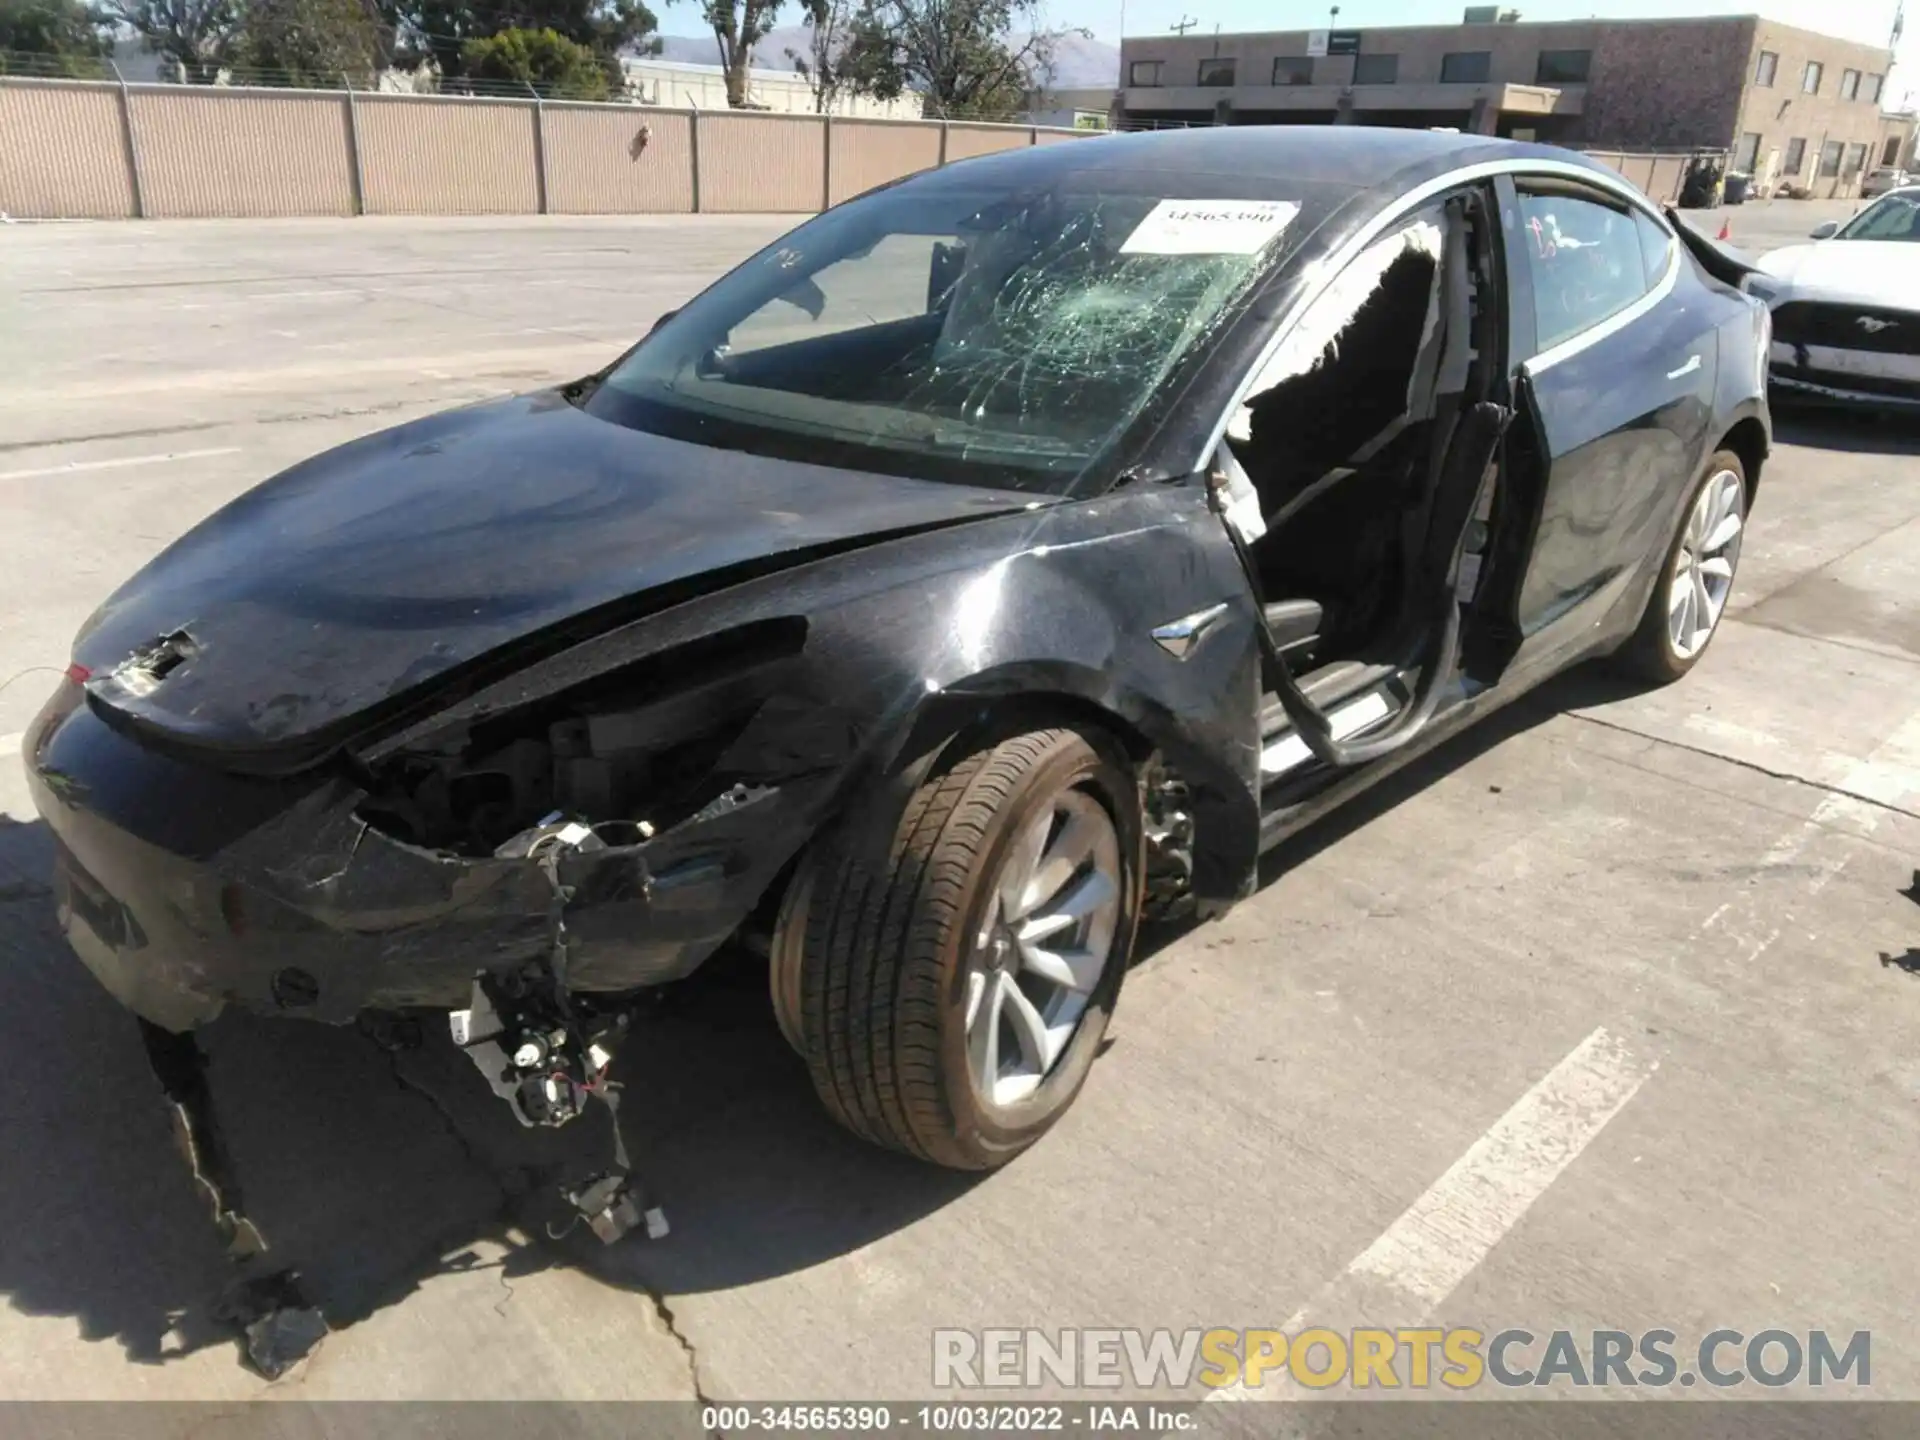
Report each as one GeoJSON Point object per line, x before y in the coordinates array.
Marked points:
{"type": "Point", "coordinates": [1722, 874]}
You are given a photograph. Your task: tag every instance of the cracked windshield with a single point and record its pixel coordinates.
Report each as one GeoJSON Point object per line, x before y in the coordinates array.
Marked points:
{"type": "Point", "coordinates": [993, 339]}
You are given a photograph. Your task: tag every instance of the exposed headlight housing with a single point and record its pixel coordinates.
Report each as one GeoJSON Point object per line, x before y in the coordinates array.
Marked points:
{"type": "Point", "coordinates": [1763, 287]}
{"type": "Point", "coordinates": [636, 747]}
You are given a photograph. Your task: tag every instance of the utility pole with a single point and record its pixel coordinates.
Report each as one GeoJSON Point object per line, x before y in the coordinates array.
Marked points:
{"type": "Point", "coordinates": [1893, 45]}
{"type": "Point", "coordinates": [1185, 25]}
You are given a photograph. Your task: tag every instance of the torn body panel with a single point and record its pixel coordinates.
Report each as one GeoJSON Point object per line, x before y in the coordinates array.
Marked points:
{"type": "Point", "coordinates": [320, 895]}
{"type": "Point", "coordinates": [316, 913]}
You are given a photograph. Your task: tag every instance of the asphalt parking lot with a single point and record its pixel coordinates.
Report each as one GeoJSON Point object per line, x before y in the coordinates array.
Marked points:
{"type": "Point", "coordinates": [1606, 1015]}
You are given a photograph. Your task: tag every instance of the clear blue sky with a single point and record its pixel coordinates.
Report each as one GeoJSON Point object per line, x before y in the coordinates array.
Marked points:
{"type": "Point", "coordinates": [1868, 20]}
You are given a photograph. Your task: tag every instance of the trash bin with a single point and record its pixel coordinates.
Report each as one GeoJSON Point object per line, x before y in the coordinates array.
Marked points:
{"type": "Point", "coordinates": [1737, 185]}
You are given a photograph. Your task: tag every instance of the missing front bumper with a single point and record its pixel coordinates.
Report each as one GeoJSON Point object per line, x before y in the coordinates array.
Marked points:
{"type": "Point", "coordinates": [288, 903]}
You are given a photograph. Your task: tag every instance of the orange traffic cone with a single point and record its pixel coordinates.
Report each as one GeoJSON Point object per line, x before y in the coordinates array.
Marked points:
{"type": "Point", "coordinates": [1726, 231]}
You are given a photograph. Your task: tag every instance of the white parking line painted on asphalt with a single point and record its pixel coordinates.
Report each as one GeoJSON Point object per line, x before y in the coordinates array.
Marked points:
{"type": "Point", "coordinates": [75, 467]}
{"type": "Point", "coordinates": [10, 744]}
{"type": "Point", "coordinates": [1443, 1236]}
{"type": "Point", "coordinates": [1449, 1230]}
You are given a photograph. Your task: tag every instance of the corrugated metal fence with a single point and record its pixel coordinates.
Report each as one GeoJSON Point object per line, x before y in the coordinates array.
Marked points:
{"type": "Point", "coordinates": [1660, 176]}
{"type": "Point", "coordinates": [101, 150]}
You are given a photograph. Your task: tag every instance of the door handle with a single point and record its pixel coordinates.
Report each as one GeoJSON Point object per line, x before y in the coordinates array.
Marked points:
{"type": "Point", "coordinates": [1693, 364]}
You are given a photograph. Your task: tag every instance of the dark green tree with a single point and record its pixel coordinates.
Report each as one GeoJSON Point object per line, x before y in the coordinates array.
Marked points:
{"type": "Point", "coordinates": [738, 26]}
{"type": "Point", "coordinates": [312, 43]}
{"type": "Point", "coordinates": [197, 35]}
{"type": "Point", "coordinates": [969, 59]}
{"type": "Point", "coordinates": [559, 68]}
{"type": "Point", "coordinates": [59, 35]}
{"type": "Point", "coordinates": [438, 30]}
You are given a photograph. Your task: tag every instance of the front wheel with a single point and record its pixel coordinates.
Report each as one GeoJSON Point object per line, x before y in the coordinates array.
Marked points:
{"type": "Point", "coordinates": [947, 970]}
{"type": "Point", "coordinates": [1691, 595]}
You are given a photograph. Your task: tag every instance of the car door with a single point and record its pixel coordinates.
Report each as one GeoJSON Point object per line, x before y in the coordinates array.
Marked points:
{"type": "Point", "coordinates": [1617, 386]}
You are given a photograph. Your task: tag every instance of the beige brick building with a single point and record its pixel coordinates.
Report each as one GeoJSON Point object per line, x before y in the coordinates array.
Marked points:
{"type": "Point", "coordinates": [1793, 106]}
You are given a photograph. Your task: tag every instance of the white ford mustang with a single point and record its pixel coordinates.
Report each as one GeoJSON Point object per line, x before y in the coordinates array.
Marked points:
{"type": "Point", "coordinates": [1846, 308]}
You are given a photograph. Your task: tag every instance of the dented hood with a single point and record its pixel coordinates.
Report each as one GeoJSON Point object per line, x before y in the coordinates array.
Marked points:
{"type": "Point", "coordinates": [367, 579]}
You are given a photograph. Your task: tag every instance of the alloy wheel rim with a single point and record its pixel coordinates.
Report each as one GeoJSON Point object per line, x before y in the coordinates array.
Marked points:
{"type": "Point", "coordinates": [1043, 947]}
{"type": "Point", "coordinates": [1703, 570]}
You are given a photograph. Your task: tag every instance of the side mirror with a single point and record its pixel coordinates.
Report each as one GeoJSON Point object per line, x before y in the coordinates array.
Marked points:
{"type": "Point", "coordinates": [1826, 229]}
{"type": "Point", "coordinates": [943, 273]}
{"type": "Point", "coordinates": [662, 320]}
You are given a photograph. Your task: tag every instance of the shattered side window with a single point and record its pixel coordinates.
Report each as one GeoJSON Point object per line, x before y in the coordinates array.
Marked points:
{"type": "Point", "coordinates": [1344, 373]}
{"type": "Point", "coordinates": [1409, 257]}
{"type": "Point", "coordinates": [1000, 339]}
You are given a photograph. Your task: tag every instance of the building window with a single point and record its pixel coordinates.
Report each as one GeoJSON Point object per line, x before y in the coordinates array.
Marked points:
{"type": "Point", "coordinates": [1143, 73]}
{"type": "Point", "coordinates": [1563, 67]}
{"type": "Point", "coordinates": [1376, 69]}
{"type": "Point", "coordinates": [1874, 82]}
{"type": "Point", "coordinates": [1746, 153]}
{"type": "Point", "coordinates": [1849, 84]}
{"type": "Point", "coordinates": [1811, 77]}
{"type": "Point", "coordinates": [1293, 70]}
{"type": "Point", "coordinates": [1891, 155]}
{"type": "Point", "coordinates": [1763, 72]}
{"type": "Point", "coordinates": [1216, 74]}
{"type": "Point", "coordinates": [1796, 162]}
{"type": "Point", "coordinates": [1829, 159]}
{"type": "Point", "coordinates": [1466, 67]}
{"type": "Point", "coordinates": [1856, 160]}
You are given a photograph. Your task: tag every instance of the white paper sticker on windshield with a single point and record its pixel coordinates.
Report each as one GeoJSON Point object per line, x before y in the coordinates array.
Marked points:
{"type": "Point", "coordinates": [1209, 227]}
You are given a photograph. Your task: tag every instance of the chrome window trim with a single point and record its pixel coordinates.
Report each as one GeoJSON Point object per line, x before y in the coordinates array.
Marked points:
{"type": "Point", "coordinates": [1421, 195]}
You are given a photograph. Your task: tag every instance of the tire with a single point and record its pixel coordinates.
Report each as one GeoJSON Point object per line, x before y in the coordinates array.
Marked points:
{"type": "Point", "coordinates": [1657, 651]}
{"type": "Point", "coordinates": [878, 962]}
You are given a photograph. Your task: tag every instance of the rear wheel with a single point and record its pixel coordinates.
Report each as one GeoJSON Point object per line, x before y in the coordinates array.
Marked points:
{"type": "Point", "coordinates": [947, 970]}
{"type": "Point", "coordinates": [1684, 611]}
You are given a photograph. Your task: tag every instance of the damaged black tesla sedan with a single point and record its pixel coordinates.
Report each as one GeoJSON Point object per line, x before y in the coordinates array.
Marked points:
{"type": "Point", "coordinates": [1000, 559]}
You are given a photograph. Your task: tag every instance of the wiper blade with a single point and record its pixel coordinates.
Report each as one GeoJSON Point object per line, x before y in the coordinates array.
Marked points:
{"type": "Point", "coordinates": [1023, 446]}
